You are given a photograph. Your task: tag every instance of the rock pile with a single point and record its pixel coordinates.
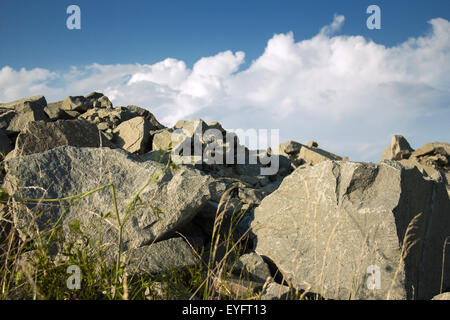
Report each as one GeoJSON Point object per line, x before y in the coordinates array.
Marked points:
{"type": "Point", "coordinates": [320, 223]}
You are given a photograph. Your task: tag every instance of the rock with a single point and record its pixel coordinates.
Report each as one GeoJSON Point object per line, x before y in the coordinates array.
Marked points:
{"type": "Point", "coordinates": [254, 265]}
{"type": "Point", "coordinates": [327, 226]}
{"type": "Point", "coordinates": [39, 136]}
{"type": "Point", "coordinates": [399, 149]}
{"type": "Point", "coordinates": [312, 144]}
{"type": "Point", "coordinates": [275, 291]}
{"type": "Point", "coordinates": [160, 256]}
{"type": "Point", "coordinates": [17, 114]}
{"type": "Point", "coordinates": [5, 143]}
{"type": "Point", "coordinates": [54, 111]}
{"type": "Point", "coordinates": [163, 206]}
{"type": "Point", "coordinates": [133, 135]}
{"type": "Point", "coordinates": [147, 115]}
{"type": "Point", "coordinates": [435, 154]}
{"type": "Point", "coordinates": [105, 102]}
{"type": "Point", "coordinates": [289, 148]}
{"type": "Point", "coordinates": [76, 103]}
{"type": "Point", "coordinates": [315, 155]}
{"type": "Point", "coordinates": [442, 296]}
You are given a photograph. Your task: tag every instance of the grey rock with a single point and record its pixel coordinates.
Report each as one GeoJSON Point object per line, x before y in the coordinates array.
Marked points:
{"type": "Point", "coordinates": [39, 136]}
{"type": "Point", "coordinates": [289, 148]}
{"type": "Point", "coordinates": [147, 115]}
{"type": "Point", "coordinates": [133, 135]}
{"type": "Point", "coordinates": [16, 114]}
{"type": "Point", "coordinates": [315, 155]}
{"type": "Point", "coordinates": [275, 291]}
{"type": "Point", "coordinates": [327, 225]}
{"type": "Point", "coordinates": [163, 206]}
{"type": "Point", "coordinates": [160, 256]}
{"type": "Point", "coordinates": [399, 149]}
{"type": "Point", "coordinates": [254, 265]}
{"type": "Point", "coordinates": [76, 103]}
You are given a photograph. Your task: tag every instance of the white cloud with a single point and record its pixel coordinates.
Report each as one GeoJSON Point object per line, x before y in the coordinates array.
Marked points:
{"type": "Point", "coordinates": [346, 92]}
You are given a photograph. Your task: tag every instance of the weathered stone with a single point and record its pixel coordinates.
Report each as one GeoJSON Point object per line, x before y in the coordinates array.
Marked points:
{"type": "Point", "coordinates": [327, 225]}
{"type": "Point", "coordinates": [432, 148]}
{"type": "Point", "coordinates": [39, 136]}
{"type": "Point", "coordinates": [399, 149]}
{"type": "Point", "coordinates": [275, 291]}
{"type": "Point", "coordinates": [54, 111]}
{"type": "Point", "coordinates": [312, 144]}
{"type": "Point", "coordinates": [105, 102]}
{"type": "Point", "coordinates": [147, 115]}
{"type": "Point", "coordinates": [160, 256]}
{"type": "Point", "coordinates": [315, 155]}
{"type": "Point", "coordinates": [133, 135]}
{"type": "Point", "coordinates": [289, 148]}
{"type": "Point", "coordinates": [442, 296]}
{"type": "Point", "coordinates": [254, 265]}
{"type": "Point", "coordinates": [76, 103]}
{"type": "Point", "coordinates": [163, 206]}
{"type": "Point", "coordinates": [17, 114]}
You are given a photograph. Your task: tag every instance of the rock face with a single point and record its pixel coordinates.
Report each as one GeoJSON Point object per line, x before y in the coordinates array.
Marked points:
{"type": "Point", "coordinates": [399, 149]}
{"type": "Point", "coordinates": [164, 205]}
{"type": "Point", "coordinates": [328, 226]}
{"type": "Point", "coordinates": [133, 135]}
{"type": "Point", "coordinates": [15, 115]}
{"type": "Point", "coordinates": [39, 136]}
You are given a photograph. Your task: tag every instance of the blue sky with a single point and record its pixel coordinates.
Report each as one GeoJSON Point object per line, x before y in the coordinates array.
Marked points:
{"type": "Point", "coordinates": [246, 64]}
{"type": "Point", "coordinates": [117, 31]}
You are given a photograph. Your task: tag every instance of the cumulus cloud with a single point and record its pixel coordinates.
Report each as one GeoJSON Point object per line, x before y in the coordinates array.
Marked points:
{"type": "Point", "coordinates": [346, 92]}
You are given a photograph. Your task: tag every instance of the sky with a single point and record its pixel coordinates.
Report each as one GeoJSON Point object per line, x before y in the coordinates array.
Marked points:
{"type": "Point", "coordinates": [311, 69]}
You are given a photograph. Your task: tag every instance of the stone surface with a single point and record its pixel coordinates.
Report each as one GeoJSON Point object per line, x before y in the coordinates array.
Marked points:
{"type": "Point", "coordinates": [327, 224]}
{"type": "Point", "coordinates": [76, 103]}
{"type": "Point", "coordinates": [275, 291]}
{"type": "Point", "coordinates": [39, 136]}
{"type": "Point", "coordinates": [442, 296]}
{"type": "Point", "coordinates": [15, 115]}
{"type": "Point", "coordinates": [146, 115]}
{"type": "Point", "coordinates": [254, 265]}
{"type": "Point", "coordinates": [133, 135]}
{"type": "Point", "coordinates": [315, 155]}
{"type": "Point", "coordinates": [399, 149]}
{"type": "Point", "coordinates": [160, 256]}
{"type": "Point", "coordinates": [164, 205]}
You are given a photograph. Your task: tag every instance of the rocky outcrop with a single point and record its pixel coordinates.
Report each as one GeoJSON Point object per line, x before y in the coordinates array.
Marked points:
{"type": "Point", "coordinates": [328, 226]}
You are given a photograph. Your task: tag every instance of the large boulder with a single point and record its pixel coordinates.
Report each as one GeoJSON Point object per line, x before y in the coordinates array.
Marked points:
{"type": "Point", "coordinates": [329, 226]}
{"type": "Point", "coordinates": [133, 135]}
{"type": "Point", "coordinates": [160, 208]}
{"type": "Point", "coordinates": [399, 149]}
{"type": "Point", "coordinates": [15, 115]}
{"type": "Point", "coordinates": [39, 136]}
